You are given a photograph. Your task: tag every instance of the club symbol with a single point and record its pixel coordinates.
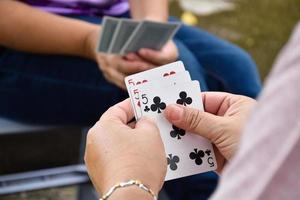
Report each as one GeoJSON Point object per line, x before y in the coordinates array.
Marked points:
{"type": "Point", "coordinates": [172, 161]}
{"type": "Point", "coordinates": [146, 109]}
{"type": "Point", "coordinates": [158, 105]}
{"type": "Point", "coordinates": [197, 156]}
{"type": "Point", "coordinates": [184, 99]}
{"type": "Point", "coordinates": [208, 152]}
{"type": "Point", "coordinates": [177, 132]}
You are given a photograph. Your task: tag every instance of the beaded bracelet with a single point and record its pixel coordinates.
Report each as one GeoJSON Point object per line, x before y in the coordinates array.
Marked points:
{"type": "Point", "coordinates": [127, 184]}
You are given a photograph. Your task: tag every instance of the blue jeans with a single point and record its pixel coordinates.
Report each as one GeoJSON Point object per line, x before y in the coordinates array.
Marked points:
{"type": "Point", "coordinates": [55, 89]}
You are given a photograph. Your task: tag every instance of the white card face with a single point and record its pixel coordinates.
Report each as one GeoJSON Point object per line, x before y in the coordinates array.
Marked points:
{"type": "Point", "coordinates": [187, 153]}
{"type": "Point", "coordinates": [159, 72]}
{"type": "Point", "coordinates": [175, 79]}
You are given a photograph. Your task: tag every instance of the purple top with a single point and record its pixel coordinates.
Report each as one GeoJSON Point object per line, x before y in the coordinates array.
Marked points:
{"type": "Point", "coordinates": [82, 7]}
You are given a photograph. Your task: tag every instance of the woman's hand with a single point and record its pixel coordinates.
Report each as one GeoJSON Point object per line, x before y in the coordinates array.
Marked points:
{"type": "Point", "coordinates": [114, 67]}
{"type": "Point", "coordinates": [169, 53]}
{"type": "Point", "coordinates": [117, 151]}
{"type": "Point", "coordinates": [222, 122]}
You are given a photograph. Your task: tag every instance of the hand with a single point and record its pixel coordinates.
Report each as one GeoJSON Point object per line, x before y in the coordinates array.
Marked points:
{"type": "Point", "coordinates": [222, 122]}
{"type": "Point", "coordinates": [117, 152]}
{"type": "Point", "coordinates": [114, 67]}
{"type": "Point", "coordinates": [169, 53]}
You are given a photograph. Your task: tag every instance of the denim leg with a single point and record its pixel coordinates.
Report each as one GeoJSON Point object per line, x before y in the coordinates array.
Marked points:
{"type": "Point", "coordinates": [53, 89]}
{"type": "Point", "coordinates": [191, 64]}
{"type": "Point", "coordinates": [222, 61]}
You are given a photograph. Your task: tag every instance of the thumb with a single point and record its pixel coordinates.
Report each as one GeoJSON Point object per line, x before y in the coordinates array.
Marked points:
{"type": "Point", "coordinates": [152, 56]}
{"type": "Point", "coordinates": [193, 120]}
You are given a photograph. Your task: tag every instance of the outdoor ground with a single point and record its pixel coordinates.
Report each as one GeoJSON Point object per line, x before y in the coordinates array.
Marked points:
{"type": "Point", "coordinates": [260, 26]}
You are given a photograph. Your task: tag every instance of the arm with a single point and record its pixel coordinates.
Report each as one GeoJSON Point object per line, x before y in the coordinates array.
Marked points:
{"type": "Point", "coordinates": [28, 29]}
{"type": "Point", "coordinates": [156, 10]}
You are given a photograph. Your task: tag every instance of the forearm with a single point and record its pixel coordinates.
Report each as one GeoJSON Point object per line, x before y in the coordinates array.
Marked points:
{"type": "Point", "coordinates": [150, 9]}
{"type": "Point", "coordinates": [28, 29]}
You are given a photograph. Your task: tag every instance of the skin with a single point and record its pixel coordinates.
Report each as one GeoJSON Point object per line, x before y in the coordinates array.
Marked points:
{"type": "Point", "coordinates": [129, 144]}
{"type": "Point", "coordinates": [28, 29]}
{"type": "Point", "coordinates": [222, 122]}
{"type": "Point", "coordinates": [126, 160]}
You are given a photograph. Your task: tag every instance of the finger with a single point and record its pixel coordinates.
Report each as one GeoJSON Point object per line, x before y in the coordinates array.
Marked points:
{"type": "Point", "coordinates": [152, 56]}
{"type": "Point", "coordinates": [217, 103]}
{"type": "Point", "coordinates": [130, 67]}
{"type": "Point", "coordinates": [122, 112]}
{"type": "Point", "coordinates": [115, 77]}
{"type": "Point", "coordinates": [194, 120]}
{"type": "Point", "coordinates": [133, 57]}
{"type": "Point", "coordinates": [146, 123]}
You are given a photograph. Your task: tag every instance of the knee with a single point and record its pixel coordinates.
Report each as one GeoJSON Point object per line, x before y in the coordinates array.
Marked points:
{"type": "Point", "coordinates": [239, 57]}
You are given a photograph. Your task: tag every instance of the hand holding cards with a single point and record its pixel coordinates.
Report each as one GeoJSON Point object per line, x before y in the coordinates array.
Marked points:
{"type": "Point", "coordinates": [123, 36]}
{"type": "Point", "coordinates": [150, 92]}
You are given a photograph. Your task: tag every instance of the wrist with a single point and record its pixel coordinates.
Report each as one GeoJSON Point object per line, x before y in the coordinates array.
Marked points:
{"type": "Point", "coordinates": [90, 42]}
{"type": "Point", "coordinates": [131, 192]}
{"type": "Point", "coordinates": [124, 175]}
{"type": "Point", "coordinates": [162, 18]}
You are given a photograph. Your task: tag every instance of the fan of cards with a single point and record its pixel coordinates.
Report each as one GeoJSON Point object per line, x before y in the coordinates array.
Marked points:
{"type": "Point", "coordinates": [150, 92]}
{"type": "Point", "coordinates": [122, 36]}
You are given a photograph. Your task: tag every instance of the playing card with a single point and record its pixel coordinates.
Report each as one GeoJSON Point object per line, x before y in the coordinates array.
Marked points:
{"type": "Point", "coordinates": [175, 79]}
{"type": "Point", "coordinates": [108, 28]}
{"type": "Point", "coordinates": [149, 34]}
{"type": "Point", "coordinates": [186, 153]}
{"type": "Point", "coordinates": [123, 31]}
{"type": "Point", "coordinates": [139, 78]}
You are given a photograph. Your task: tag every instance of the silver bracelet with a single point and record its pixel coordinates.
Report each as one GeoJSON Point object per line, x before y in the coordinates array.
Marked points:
{"type": "Point", "coordinates": [127, 184]}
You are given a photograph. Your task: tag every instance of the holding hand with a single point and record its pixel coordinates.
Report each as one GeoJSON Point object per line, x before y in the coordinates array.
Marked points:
{"type": "Point", "coordinates": [169, 53]}
{"type": "Point", "coordinates": [117, 152]}
{"type": "Point", "coordinates": [114, 67]}
{"type": "Point", "coordinates": [222, 122]}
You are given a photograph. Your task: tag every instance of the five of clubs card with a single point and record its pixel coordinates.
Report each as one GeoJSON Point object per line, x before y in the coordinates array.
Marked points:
{"type": "Point", "coordinates": [150, 92]}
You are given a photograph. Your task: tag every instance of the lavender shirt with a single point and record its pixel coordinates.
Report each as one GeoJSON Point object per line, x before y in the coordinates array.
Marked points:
{"type": "Point", "coordinates": [82, 7]}
{"type": "Point", "coordinates": [267, 165]}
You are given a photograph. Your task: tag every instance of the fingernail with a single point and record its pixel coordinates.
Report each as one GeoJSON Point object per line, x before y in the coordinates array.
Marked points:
{"type": "Point", "coordinates": [143, 51]}
{"type": "Point", "coordinates": [175, 112]}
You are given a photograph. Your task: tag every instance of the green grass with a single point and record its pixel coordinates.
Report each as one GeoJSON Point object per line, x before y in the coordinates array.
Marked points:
{"type": "Point", "coordinates": [261, 27]}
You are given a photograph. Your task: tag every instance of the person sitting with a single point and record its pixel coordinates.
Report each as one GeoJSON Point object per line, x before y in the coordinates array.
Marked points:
{"type": "Point", "coordinates": [257, 144]}
{"type": "Point", "coordinates": [48, 59]}
{"type": "Point", "coordinates": [51, 74]}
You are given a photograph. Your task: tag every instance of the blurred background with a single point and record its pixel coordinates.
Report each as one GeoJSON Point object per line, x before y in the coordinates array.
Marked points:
{"type": "Point", "coordinates": [261, 27]}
